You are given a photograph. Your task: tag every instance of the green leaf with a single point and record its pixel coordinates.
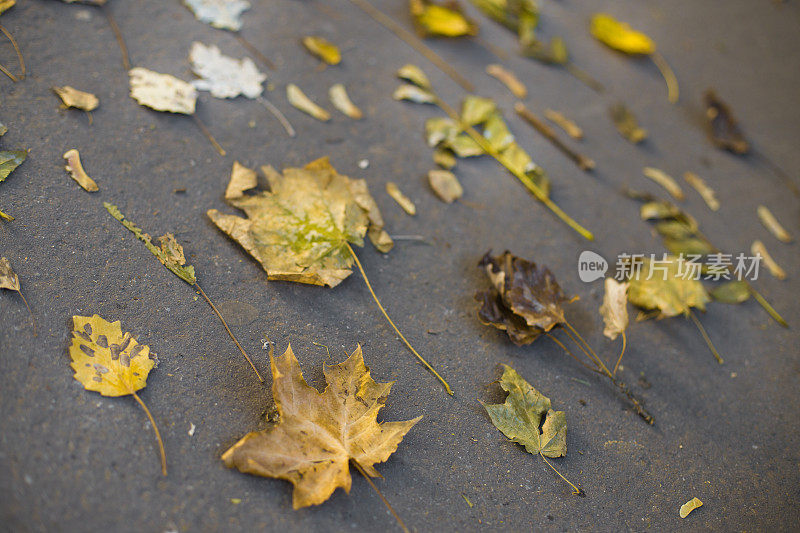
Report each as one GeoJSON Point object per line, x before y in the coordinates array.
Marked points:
{"type": "Point", "coordinates": [520, 417]}
{"type": "Point", "coordinates": [731, 292]}
{"type": "Point", "coordinates": [10, 160]}
{"type": "Point", "coordinates": [667, 290]}
{"type": "Point", "coordinates": [477, 110]}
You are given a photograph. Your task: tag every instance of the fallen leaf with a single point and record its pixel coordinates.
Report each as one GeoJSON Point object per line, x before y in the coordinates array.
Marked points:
{"type": "Point", "coordinates": [319, 433]}
{"type": "Point", "coordinates": [615, 308]}
{"type": "Point", "coordinates": [626, 123]}
{"type": "Point", "coordinates": [665, 180]}
{"type": "Point", "coordinates": [415, 94]}
{"type": "Point", "coordinates": [758, 249]}
{"type": "Point", "coordinates": [445, 184]}
{"type": "Point", "coordinates": [162, 92]}
{"type": "Point", "coordinates": [224, 76]}
{"type": "Point", "coordinates": [508, 78]}
{"type": "Point", "coordinates": [3, 129]}
{"type": "Point", "coordinates": [403, 200]}
{"type": "Point", "coordinates": [223, 14]}
{"type": "Point", "coordinates": [569, 126]}
{"type": "Point", "coordinates": [341, 101]}
{"type": "Point", "coordinates": [77, 99]}
{"type": "Point", "coordinates": [706, 193]}
{"type": "Point", "coordinates": [731, 292]}
{"type": "Point", "coordinates": [10, 160]}
{"type": "Point", "coordinates": [689, 506]}
{"type": "Point", "coordinates": [8, 4]}
{"type": "Point", "coordinates": [445, 19]}
{"type": "Point", "coordinates": [519, 16]}
{"type": "Point", "coordinates": [242, 179]}
{"type": "Point", "coordinates": [302, 102]}
{"type": "Point", "coordinates": [8, 278]}
{"type": "Point", "coordinates": [552, 53]}
{"type": "Point", "coordinates": [75, 169]}
{"type": "Point", "coordinates": [113, 364]}
{"type": "Point", "coordinates": [723, 130]}
{"type": "Point", "coordinates": [771, 223]}
{"type": "Point", "coordinates": [323, 49]}
{"type": "Point", "coordinates": [414, 75]}
{"type": "Point", "coordinates": [525, 300]}
{"type": "Point", "coordinates": [667, 290]}
{"type": "Point", "coordinates": [444, 158]}
{"type": "Point", "coordinates": [300, 229]}
{"type": "Point", "coordinates": [620, 36]}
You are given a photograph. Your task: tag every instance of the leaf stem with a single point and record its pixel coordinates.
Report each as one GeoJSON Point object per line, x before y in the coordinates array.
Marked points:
{"type": "Point", "coordinates": [669, 76]}
{"type": "Point", "coordinates": [386, 316]}
{"type": "Point", "coordinates": [382, 497]}
{"type": "Point", "coordinates": [16, 49]}
{"type": "Point", "coordinates": [255, 51]}
{"type": "Point", "coordinates": [584, 77]}
{"type": "Point", "coordinates": [155, 429]}
{"type": "Point", "coordinates": [126, 62]}
{"type": "Point", "coordinates": [705, 336]}
{"type": "Point", "coordinates": [214, 307]}
{"type": "Point", "coordinates": [208, 135]}
{"type": "Point", "coordinates": [595, 357]}
{"type": "Point", "coordinates": [5, 71]}
{"type": "Point", "coordinates": [521, 176]}
{"type": "Point", "coordinates": [414, 42]}
{"type": "Point", "coordinates": [624, 344]}
{"type": "Point", "coordinates": [277, 114]}
{"type": "Point", "coordinates": [583, 162]}
{"type": "Point", "coordinates": [575, 490]}
{"type": "Point", "coordinates": [567, 350]}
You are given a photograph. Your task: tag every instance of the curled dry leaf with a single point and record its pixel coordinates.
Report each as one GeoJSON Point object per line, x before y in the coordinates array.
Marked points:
{"type": "Point", "coordinates": [689, 506]}
{"type": "Point", "coordinates": [626, 123]}
{"type": "Point", "coordinates": [300, 229]}
{"type": "Point", "coordinates": [445, 19]}
{"type": "Point", "coordinates": [403, 200]}
{"type": "Point", "coordinates": [703, 189]}
{"type": "Point", "coordinates": [758, 249]}
{"type": "Point", "coordinates": [224, 76]}
{"type": "Point", "coordinates": [446, 186]}
{"type": "Point", "coordinates": [415, 94]}
{"type": "Point", "coordinates": [319, 433]}
{"type": "Point", "coordinates": [71, 97]}
{"type": "Point", "coordinates": [615, 308]}
{"type": "Point", "coordinates": [771, 223]}
{"type": "Point", "coordinates": [162, 92]}
{"type": "Point", "coordinates": [663, 287]}
{"type": "Point", "coordinates": [507, 78]}
{"type": "Point", "coordinates": [223, 14]}
{"type": "Point", "coordinates": [75, 169]}
{"type": "Point", "coordinates": [341, 101]}
{"type": "Point", "coordinates": [665, 180]}
{"type": "Point", "coordinates": [323, 49]}
{"type": "Point", "coordinates": [414, 75]}
{"type": "Point", "coordinates": [723, 130]}
{"type": "Point", "coordinates": [566, 124]}
{"type": "Point", "coordinates": [302, 102]}
{"type": "Point", "coordinates": [112, 363]}
{"type": "Point", "coordinates": [524, 300]}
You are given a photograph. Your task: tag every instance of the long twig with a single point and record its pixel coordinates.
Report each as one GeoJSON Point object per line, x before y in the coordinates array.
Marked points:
{"type": "Point", "coordinates": [205, 131]}
{"type": "Point", "coordinates": [705, 336]}
{"type": "Point", "coordinates": [126, 62]}
{"type": "Point", "coordinates": [575, 490]}
{"type": "Point", "coordinates": [155, 429]}
{"type": "Point", "coordinates": [214, 307]}
{"type": "Point", "coordinates": [278, 115]}
{"type": "Point", "coordinates": [413, 41]}
{"type": "Point", "coordinates": [7, 72]}
{"type": "Point", "coordinates": [669, 76]}
{"type": "Point", "coordinates": [583, 162]}
{"type": "Point", "coordinates": [386, 316]}
{"type": "Point", "coordinates": [380, 494]}
{"type": "Point", "coordinates": [17, 50]}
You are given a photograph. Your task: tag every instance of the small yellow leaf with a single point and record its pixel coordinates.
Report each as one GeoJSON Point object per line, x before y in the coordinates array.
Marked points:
{"type": "Point", "coordinates": [75, 98]}
{"type": "Point", "coordinates": [341, 101]}
{"type": "Point", "coordinates": [323, 49]}
{"type": "Point", "coordinates": [444, 20]}
{"type": "Point", "coordinates": [302, 102]}
{"type": "Point", "coordinates": [415, 94]}
{"type": "Point", "coordinates": [566, 124]}
{"type": "Point", "coordinates": [665, 180]}
{"type": "Point", "coordinates": [689, 506]}
{"type": "Point", "coordinates": [415, 75]}
{"type": "Point", "coordinates": [398, 196]}
{"type": "Point", "coordinates": [620, 36]}
{"type": "Point", "coordinates": [75, 169]}
{"type": "Point", "coordinates": [8, 278]}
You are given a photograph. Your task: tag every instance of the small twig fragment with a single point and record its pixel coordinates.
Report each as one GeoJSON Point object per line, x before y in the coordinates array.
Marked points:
{"type": "Point", "coordinates": [665, 180]}
{"type": "Point", "coordinates": [509, 79]}
{"type": "Point", "coordinates": [583, 162]}
{"type": "Point", "coordinates": [569, 126]}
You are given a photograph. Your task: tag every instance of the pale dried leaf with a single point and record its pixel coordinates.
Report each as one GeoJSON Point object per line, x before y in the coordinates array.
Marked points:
{"type": "Point", "coordinates": [403, 200]}
{"type": "Point", "coordinates": [771, 223]}
{"type": "Point", "coordinates": [8, 278]}
{"type": "Point", "coordinates": [242, 179]}
{"type": "Point", "coordinates": [75, 169]}
{"type": "Point", "coordinates": [703, 189]}
{"type": "Point", "coordinates": [225, 76]}
{"type": "Point", "coordinates": [162, 92]}
{"type": "Point", "coordinates": [414, 75]}
{"type": "Point", "coordinates": [341, 101]}
{"type": "Point", "coordinates": [615, 308]}
{"type": "Point", "coordinates": [445, 184]}
{"type": "Point", "coordinates": [78, 99]}
{"type": "Point", "coordinates": [758, 249]}
{"type": "Point", "coordinates": [507, 78]}
{"type": "Point", "coordinates": [223, 14]}
{"type": "Point", "coordinates": [302, 102]}
{"type": "Point", "coordinates": [665, 180]}
{"type": "Point", "coordinates": [626, 123]}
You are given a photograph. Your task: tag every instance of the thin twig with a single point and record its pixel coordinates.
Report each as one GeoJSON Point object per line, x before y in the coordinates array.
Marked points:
{"type": "Point", "coordinates": [126, 62]}
{"type": "Point", "coordinates": [585, 77]}
{"type": "Point", "coordinates": [277, 114]}
{"type": "Point", "coordinates": [7, 72]}
{"type": "Point", "coordinates": [16, 49]}
{"type": "Point", "coordinates": [583, 162]}
{"type": "Point", "coordinates": [33, 318]}
{"type": "Point", "coordinates": [705, 336]}
{"type": "Point", "coordinates": [214, 307]}
{"type": "Point", "coordinates": [155, 429]}
{"type": "Point", "coordinates": [413, 41]}
{"type": "Point", "coordinates": [669, 76]}
{"type": "Point", "coordinates": [567, 350]}
{"type": "Point", "coordinates": [386, 316]}
{"type": "Point", "coordinates": [575, 490]}
{"type": "Point", "coordinates": [378, 492]}
{"type": "Point", "coordinates": [255, 51]}
{"type": "Point", "coordinates": [208, 135]}
{"type": "Point", "coordinates": [624, 343]}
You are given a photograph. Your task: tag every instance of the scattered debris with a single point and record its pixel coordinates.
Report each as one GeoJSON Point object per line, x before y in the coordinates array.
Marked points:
{"type": "Point", "coordinates": [665, 180]}
{"type": "Point", "coordinates": [302, 102]}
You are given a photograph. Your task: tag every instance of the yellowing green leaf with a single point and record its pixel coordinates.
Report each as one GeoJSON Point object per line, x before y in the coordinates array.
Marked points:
{"type": "Point", "coordinates": [162, 92]}
{"type": "Point", "coordinates": [403, 200]}
{"type": "Point", "coordinates": [445, 20]}
{"type": "Point", "coordinates": [323, 49]}
{"type": "Point", "coordinates": [300, 229]}
{"type": "Point", "coordinates": [620, 36]}
{"type": "Point", "coordinates": [731, 292]}
{"type": "Point", "coordinates": [10, 160]}
{"type": "Point", "coordinates": [319, 433]}
{"type": "Point", "coordinates": [668, 290]}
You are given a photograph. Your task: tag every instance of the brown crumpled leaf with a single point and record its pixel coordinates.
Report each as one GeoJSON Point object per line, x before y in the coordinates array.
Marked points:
{"type": "Point", "coordinates": [525, 300]}
{"type": "Point", "coordinates": [723, 130]}
{"type": "Point", "coordinates": [78, 99]}
{"type": "Point", "coordinates": [75, 169]}
{"type": "Point", "coordinates": [319, 433]}
{"type": "Point", "coordinates": [300, 229]}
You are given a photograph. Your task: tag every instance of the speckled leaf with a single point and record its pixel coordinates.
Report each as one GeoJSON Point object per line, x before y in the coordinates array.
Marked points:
{"type": "Point", "coordinates": [71, 97]}
{"type": "Point", "coordinates": [8, 278]}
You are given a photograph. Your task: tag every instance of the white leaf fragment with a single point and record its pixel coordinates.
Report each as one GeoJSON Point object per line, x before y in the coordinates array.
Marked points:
{"type": "Point", "coordinates": [224, 76]}
{"type": "Point", "coordinates": [223, 14]}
